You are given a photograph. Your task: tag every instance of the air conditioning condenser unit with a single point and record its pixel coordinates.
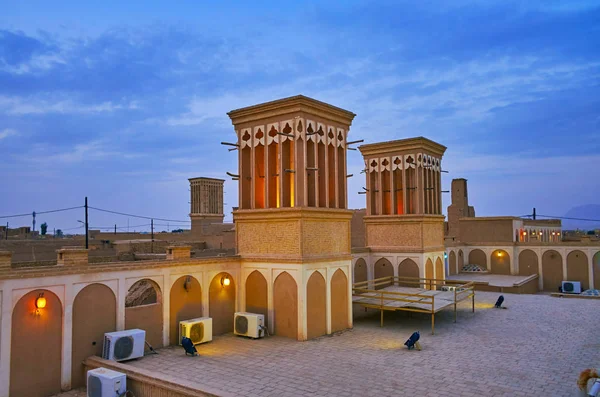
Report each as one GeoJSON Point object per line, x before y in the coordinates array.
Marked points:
{"type": "Point", "coordinates": [199, 330]}
{"type": "Point", "coordinates": [124, 345]}
{"type": "Point", "coordinates": [103, 382]}
{"type": "Point", "coordinates": [249, 324]}
{"type": "Point", "coordinates": [571, 287]}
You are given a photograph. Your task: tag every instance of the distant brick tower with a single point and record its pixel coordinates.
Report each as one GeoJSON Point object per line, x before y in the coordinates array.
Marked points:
{"type": "Point", "coordinates": [292, 225]}
{"type": "Point", "coordinates": [459, 208]}
{"type": "Point", "coordinates": [404, 225]}
{"type": "Point", "coordinates": [206, 202]}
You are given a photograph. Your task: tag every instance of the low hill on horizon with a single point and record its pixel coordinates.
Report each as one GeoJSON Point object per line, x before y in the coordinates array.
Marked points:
{"type": "Point", "coordinates": [587, 211]}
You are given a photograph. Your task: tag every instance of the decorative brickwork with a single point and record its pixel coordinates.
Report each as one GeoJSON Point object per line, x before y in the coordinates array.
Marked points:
{"type": "Point", "coordinates": [417, 233]}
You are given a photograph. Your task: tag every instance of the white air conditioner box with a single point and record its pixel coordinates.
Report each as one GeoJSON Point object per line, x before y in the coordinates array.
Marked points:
{"type": "Point", "coordinates": [249, 324]}
{"type": "Point", "coordinates": [199, 330]}
{"type": "Point", "coordinates": [124, 345]}
{"type": "Point", "coordinates": [571, 287]}
{"type": "Point", "coordinates": [103, 382]}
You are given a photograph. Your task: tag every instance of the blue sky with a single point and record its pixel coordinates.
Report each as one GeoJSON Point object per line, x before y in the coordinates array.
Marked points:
{"type": "Point", "coordinates": [124, 101]}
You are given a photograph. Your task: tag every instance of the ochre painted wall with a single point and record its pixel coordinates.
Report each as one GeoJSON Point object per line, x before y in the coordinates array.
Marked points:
{"type": "Point", "coordinates": [552, 270]}
{"type": "Point", "coordinates": [94, 314]}
{"type": "Point", "coordinates": [36, 344]}
{"type": "Point", "coordinates": [360, 270]}
{"type": "Point", "coordinates": [577, 268]}
{"type": "Point", "coordinates": [478, 257]}
{"type": "Point", "coordinates": [184, 305]}
{"type": "Point", "coordinates": [452, 263]}
{"type": "Point", "coordinates": [256, 295]}
{"type": "Point", "coordinates": [316, 306]}
{"type": "Point", "coordinates": [383, 268]}
{"type": "Point", "coordinates": [475, 231]}
{"type": "Point", "coordinates": [285, 305]}
{"type": "Point", "coordinates": [339, 301]}
{"type": "Point", "coordinates": [528, 263]}
{"type": "Point", "coordinates": [147, 317]}
{"type": "Point", "coordinates": [500, 264]}
{"type": "Point", "coordinates": [221, 303]}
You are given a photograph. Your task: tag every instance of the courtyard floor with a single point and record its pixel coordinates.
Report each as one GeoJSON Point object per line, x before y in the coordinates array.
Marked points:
{"type": "Point", "coordinates": [536, 347]}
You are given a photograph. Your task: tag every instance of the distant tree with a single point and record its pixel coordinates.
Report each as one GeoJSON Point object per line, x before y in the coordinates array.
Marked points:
{"type": "Point", "coordinates": [44, 228]}
{"type": "Point", "coordinates": [591, 233]}
{"type": "Point", "coordinates": [177, 231]}
{"type": "Point", "coordinates": [59, 233]}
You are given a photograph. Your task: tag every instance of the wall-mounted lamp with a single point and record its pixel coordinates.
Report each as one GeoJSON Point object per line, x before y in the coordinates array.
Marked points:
{"type": "Point", "coordinates": [541, 233]}
{"type": "Point", "coordinates": [40, 303]}
{"type": "Point", "coordinates": [499, 253]}
{"type": "Point", "coordinates": [187, 284]}
{"type": "Point", "coordinates": [225, 281]}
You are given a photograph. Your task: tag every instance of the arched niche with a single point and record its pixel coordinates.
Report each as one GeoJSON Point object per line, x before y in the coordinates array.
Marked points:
{"type": "Point", "coordinates": [552, 271]}
{"type": "Point", "coordinates": [360, 270]}
{"type": "Point", "coordinates": [256, 295]}
{"type": "Point", "coordinates": [500, 262]}
{"type": "Point", "coordinates": [577, 268]}
{"type": "Point", "coordinates": [339, 301]}
{"type": "Point", "coordinates": [221, 303]}
{"type": "Point", "coordinates": [453, 264]}
{"type": "Point", "coordinates": [36, 346]}
{"type": "Point", "coordinates": [185, 301]}
{"type": "Point", "coordinates": [478, 257]}
{"type": "Point", "coordinates": [94, 314]}
{"type": "Point", "coordinates": [439, 269]}
{"type": "Point", "coordinates": [408, 268]}
{"type": "Point", "coordinates": [596, 269]}
{"type": "Point", "coordinates": [383, 268]}
{"type": "Point", "coordinates": [144, 310]}
{"type": "Point", "coordinates": [316, 306]}
{"type": "Point", "coordinates": [528, 263]}
{"type": "Point", "coordinates": [285, 306]}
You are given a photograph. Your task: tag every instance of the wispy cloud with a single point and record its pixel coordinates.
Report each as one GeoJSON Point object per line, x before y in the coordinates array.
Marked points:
{"type": "Point", "coordinates": [37, 106]}
{"type": "Point", "coordinates": [7, 132]}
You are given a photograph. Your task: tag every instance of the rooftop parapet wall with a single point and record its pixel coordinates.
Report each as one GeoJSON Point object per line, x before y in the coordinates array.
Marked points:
{"type": "Point", "coordinates": [409, 233]}
{"type": "Point", "coordinates": [178, 252]}
{"type": "Point", "coordinates": [72, 256]}
{"type": "Point", "coordinates": [5, 259]}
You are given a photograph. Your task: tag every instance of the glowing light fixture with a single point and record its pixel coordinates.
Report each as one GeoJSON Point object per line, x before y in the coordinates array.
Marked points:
{"type": "Point", "coordinates": [499, 253]}
{"type": "Point", "coordinates": [225, 281]}
{"type": "Point", "coordinates": [540, 233]}
{"type": "Point", "coordinates": [40, 302]}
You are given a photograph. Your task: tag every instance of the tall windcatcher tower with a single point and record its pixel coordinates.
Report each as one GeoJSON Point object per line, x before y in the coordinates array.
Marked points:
{"type": "Point", "coordinates": [292, 225]}
{"type": "Point", "coordinates": [206, 201]}
{"type": "Point", "coordinates": [404, 205]}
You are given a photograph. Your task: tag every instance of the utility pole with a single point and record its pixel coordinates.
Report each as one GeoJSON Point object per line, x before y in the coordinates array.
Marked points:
{"type": "Point", "coordinates": [86, 224]}
{"type": "Point", "coordinates": [115, 228]}
{"type": "Point", "coordinates": [152, 228]}
{"type": "Point", "coordinates": [6, 234]}
{"type": "Point", "coordinates": [33, 222]}
{"type": "Point", "coordinates": [54, 232]}
{"type": "Point", "coordinates": [534, 214]}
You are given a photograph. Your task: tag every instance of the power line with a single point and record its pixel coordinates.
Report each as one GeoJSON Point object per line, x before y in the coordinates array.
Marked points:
{"type": "Point", "coordinates": [572, 219]}
{"type": "Point", "coordinates": [137, 216]}
{"type": "Point", "coordinates": [41, 212]}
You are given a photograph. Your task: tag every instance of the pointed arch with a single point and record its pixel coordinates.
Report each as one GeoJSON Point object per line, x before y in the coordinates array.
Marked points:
{"type": "Point", "coordinates": [360, 270]}
{"type": "Point", "coordinates": [221, 303]}
{"type": "Point", "coordinates": [552, 271]}
{"type": "Point", "coordinates": [408, 268]}
{"type": "Point", "coordinates": [439, 269]}
{"type": "Point", "coordinates": [144, 310]}
{"type": "Point", "coordinates": [316, 306]}
{"type": "Point", "coordinates": [577, 268]}
{"type": "Point", "coordinates": [500, 262]}
{"type": "Point", "coordinates": [383, 268]}
{"type": "Point", "coordinates": [185, 304]}
{"type": "Point", "coordinates": [528, 263]}
{"type": "Point", "coordinates": [428, 271]}
{"type": "Point", "coordinates": [256, 295]}
{"type": "Point", "coordinates": [478, 257]}
{"type": "Point", "coordinates": [34, 332]}
{"type": "Point", "coordinates": [453, 264]}
{"type": "Point", "coordinates": [339, 301]}
{"type": "Point", "coordinates": [285, 306]}
{"type": "Point", "coordinates": [94, 314]}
